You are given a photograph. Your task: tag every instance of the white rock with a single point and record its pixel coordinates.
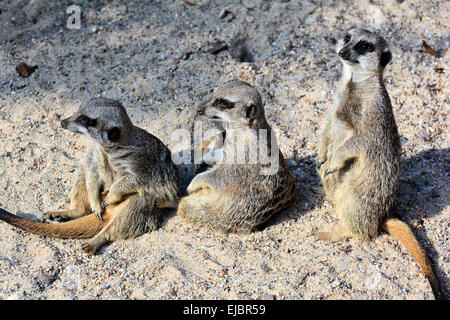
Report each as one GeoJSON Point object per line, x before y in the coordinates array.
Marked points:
{"type": "Point", "coordinates": [16, 296]}
{"type": "Point", "coordinates": [376, 15]}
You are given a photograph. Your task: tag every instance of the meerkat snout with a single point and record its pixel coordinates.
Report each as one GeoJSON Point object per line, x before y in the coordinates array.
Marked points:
{"type": "Point", "coordinates": [200, 110]}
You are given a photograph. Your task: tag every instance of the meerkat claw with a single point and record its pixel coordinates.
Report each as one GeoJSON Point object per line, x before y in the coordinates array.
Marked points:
{"type": "Point", "coordinates": [327, 172]}
{"type": "Point", "coordinates": [88, 249]}
{"type": "Point", "coordinates": [104, 204]}
{"type": "Point", "coordinates": [320, 163]}
{"type": "Point", "coordinates": [99, 216]}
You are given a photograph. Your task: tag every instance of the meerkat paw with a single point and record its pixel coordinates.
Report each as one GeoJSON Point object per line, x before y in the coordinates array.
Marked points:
{"type": "Point", "coordinates": [320, 163]}
{"type": "Point", "coordinates": [166, 204]}
{"type": "Point", "coordinates": [334, 236]}
{"type": "Point", "coordinates": [89, 248]}
{"type": "Point", "coordinates": [111, 198]}
{"type": "Point", "coordinates": [318, 190]}
{"type": "Point", "coordinates": [104, 193]}
{"type": "Point", "coordinates": [329, 171]}
{"type": "Point", "coordinates": [98, 211]}
{"type": "Point", "coordinates": [65, 214]}
{"type": "Point", "coordinates": [55, 215]}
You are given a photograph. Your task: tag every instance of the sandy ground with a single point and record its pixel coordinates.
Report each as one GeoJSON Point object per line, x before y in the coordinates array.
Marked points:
{"type": "Point", "coordinates": [154, 58]}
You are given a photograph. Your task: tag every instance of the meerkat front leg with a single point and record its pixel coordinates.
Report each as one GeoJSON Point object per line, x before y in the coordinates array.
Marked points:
{"type": "Point", "coordinates": [345, 152]}
{"type": "Point", "coordinates": [93, 186]}
{"type": "Point", "coordinates": [123, 187]}
{"type": "Point", "coordinates": [79, 201]}
{"type": "Point", "coordinates": [324, 141]}
{"type": "Point", "coordinates": [198, 183]}
{"type": "Point", "coordinates": [323, 149]}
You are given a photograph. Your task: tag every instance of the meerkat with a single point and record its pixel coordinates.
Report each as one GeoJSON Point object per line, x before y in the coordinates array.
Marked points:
{"type": "Point", "coordinates": [236, 197]}
{"type": "Point", "coordinates": [359, 149]}
{"type": "Point", "coordinates": [116, 183]}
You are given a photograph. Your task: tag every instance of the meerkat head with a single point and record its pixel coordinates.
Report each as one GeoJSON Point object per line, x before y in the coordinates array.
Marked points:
{"type": "Point", "coordinates": [103, 120]}
{"type": "Point", "coordinates": [236, 103]}
{"type": "Point", "coordinates": [364, 50]}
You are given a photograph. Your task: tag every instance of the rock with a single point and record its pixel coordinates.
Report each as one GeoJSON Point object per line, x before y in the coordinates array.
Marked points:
{"type": "Point", "coordinates": [239, 51]}
{"type": "Point", "coordinates": [46, 279]}
{"type": "Point", "coordinates": [218, 48]}
{"type": "Point", "coordinates": [226, 14]}
{"type": "Point", "coordinates": [16, 296]}
{"type": "Point", "coordinates": [376, 15]}
{"type": "Point", "coordinates": [25, 70]}
{"type": "Point", "coordinates": [424, 136]}
{"type": "Point", "coordinates": [344, 265]}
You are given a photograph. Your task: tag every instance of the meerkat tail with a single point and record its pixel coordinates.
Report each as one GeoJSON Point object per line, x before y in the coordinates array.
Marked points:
{"type": "Point", "coordinates": [402, 232]}
{"type": "Point", "coordinates": [85, 227]}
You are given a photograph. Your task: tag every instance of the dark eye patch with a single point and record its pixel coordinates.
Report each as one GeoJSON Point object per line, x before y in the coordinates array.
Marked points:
{"type": "Point", "coordinates": [86, 121]}
{"type": "Point", "coordinates": [223, 104]}
{"type": "Point", "coordinates": [114, 134]}
{"type": "Point", "coordinates": [347, 38]}
{"type": "Point", "coordinates": [364, 47]}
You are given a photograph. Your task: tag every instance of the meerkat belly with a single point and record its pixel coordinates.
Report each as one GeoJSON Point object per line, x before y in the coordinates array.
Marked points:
{"type": "Point", "coordinates": [338, 135]}
{"type": "Point", "coordinates": [372, 182]}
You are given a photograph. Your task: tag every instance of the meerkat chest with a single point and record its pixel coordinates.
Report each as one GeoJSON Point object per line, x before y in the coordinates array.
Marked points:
{"type": "Point", "coordinates": [106, 171]}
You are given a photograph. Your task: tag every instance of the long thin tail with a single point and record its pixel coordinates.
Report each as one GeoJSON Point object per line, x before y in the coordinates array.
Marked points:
{"type": "Point", "coordinates": [84, 227]}
{"type": "Point", "coordinates": [402, 232]}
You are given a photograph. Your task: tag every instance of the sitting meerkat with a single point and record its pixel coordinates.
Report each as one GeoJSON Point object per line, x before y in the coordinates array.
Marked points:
{"type": "Point", "coordinates": [230, 196]}
{"type": "Point", "coordinates": [359, 149]}
{"type": "Point", "coordinates": [116, 183]}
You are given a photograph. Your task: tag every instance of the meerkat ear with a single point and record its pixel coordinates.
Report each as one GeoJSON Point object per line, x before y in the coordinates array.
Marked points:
{"type": "Point", "coordinates": [250, 111]}
{"type": "Point", "coordinates": [114, 134]}
{"type": "Point", "coordinates": [385, 57]}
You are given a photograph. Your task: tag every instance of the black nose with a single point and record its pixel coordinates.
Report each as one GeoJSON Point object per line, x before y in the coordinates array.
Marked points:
{"type": "Point", "coordinates": [343, 53]}
{"type": "Point", "coordinates": [200, 110]}
{"type": "Point", "coordinates": [64, 123]}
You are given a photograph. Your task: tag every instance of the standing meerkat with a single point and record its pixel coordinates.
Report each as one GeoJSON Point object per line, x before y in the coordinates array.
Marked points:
{"type": "Point", "coordinates": [116, 183]}
{"type": "Point", "coordinates": [230, 196]}
{"type": "Point", "coordinates": [359, 149]}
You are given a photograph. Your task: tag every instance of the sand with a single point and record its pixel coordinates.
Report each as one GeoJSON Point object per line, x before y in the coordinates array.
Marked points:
{"type": "Point", "coordinates": [154, 57]}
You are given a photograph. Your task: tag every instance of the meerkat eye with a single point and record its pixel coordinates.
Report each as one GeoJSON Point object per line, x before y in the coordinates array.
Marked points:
{"type": "Point", "coordinates": [364, 47]}
{"type": "Point", "coordinates": [223, 104]}
{"type": "Point", "coordinates": [114, 134]}
{"type": "Point", "coordinates": [250, 111]}
{"type": "Point", "coordinates": [86, 121]}
{"type": "Point", "coordinates": [347, 39]}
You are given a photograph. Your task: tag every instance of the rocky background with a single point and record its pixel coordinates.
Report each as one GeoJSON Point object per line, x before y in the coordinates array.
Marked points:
{"type": "Point", "coordinates": [160, 59]}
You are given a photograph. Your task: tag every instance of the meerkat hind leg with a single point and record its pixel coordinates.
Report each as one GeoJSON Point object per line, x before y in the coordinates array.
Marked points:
{"type": "Point", "coordinates": [104, 236]}
{"type": "Point", "coordinates": [79, 202]}
{"type": "Point", "coordinates": [335, 236]}
{"type": "Point", "coordinates": [91, 246]}
{"type": "Point", "coordinates": [66, 214]}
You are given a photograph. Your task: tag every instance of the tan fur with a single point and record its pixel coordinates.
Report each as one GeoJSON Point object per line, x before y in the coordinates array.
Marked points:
{"type": "Point", "coordinates": [84, 227]}
{"type": "Point", "coordinates": [359, 150]}
{"type": "Point", "coordinates": [116, 183]}
{"type": "Point", "coordinates": [236, 197]}
{"type": "Point", "coordinates": [402, 232]}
